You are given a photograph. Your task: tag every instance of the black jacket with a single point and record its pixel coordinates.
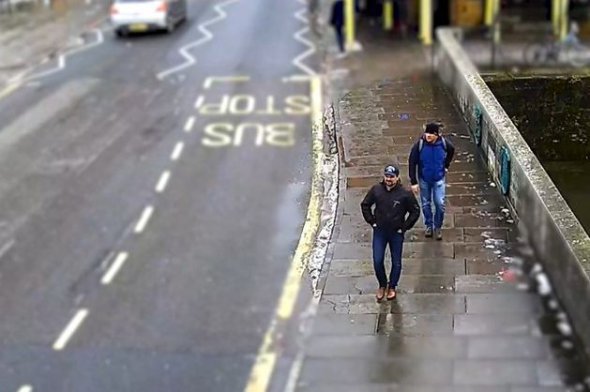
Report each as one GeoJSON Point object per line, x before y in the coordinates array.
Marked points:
{"type": "Point", "coordinates": [391, 207]}
{"type": "Point", "coordinates": [337, 17]}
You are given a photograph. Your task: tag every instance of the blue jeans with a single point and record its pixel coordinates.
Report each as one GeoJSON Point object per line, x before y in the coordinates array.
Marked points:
{"type": "Point", "coordinates": [395, 240]}
{"type": "Point", "coordinates": [428, 192]}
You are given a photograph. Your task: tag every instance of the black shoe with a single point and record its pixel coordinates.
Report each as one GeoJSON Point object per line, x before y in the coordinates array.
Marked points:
{"type": "Point", "coordinates": [428, 233]}
{"type": "Point", "coordinates": [438, 234]}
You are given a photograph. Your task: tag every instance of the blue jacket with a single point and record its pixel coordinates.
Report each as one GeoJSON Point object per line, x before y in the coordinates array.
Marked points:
{"type": "Point", "coordinates": [431, 161]}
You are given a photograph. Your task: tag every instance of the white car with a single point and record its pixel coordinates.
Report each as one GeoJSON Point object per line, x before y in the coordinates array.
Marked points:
{"type": "Point", "coordinates": [136, 16]}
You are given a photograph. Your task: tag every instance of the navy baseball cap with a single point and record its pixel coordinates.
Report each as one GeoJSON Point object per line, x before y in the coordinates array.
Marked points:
{"type": "Point", "coordinates": [391, 171]}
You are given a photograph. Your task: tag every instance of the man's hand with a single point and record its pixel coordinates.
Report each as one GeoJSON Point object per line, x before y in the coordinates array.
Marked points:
{"type": "Point", "coordinates": [374, 225]}
{"type": "Point", "coordinates": [415, 189]}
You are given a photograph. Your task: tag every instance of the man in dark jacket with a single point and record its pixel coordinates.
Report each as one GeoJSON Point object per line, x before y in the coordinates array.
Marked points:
{"type": "Point", "coordinates": [392, 203]}
{"type": "Point", "coordinates": [337, 21]}
{"type": "Point", "coordinates": [432, 155]}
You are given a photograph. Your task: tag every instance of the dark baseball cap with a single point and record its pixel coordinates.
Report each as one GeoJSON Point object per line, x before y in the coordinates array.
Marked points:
{"type": "Point", "coordinates": [391, 171]}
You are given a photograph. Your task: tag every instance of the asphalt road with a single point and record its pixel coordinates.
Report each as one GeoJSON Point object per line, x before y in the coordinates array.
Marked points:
{"type": "Point", "coordinates": [147, 224]}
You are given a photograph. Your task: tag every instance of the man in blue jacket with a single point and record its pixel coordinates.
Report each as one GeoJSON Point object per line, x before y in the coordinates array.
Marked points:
{"type": "Point", "coordinates": [432, 155]}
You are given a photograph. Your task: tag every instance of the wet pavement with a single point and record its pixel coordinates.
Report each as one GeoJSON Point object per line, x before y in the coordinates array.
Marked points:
{"type": "Point", "coordinates": [468, 316]}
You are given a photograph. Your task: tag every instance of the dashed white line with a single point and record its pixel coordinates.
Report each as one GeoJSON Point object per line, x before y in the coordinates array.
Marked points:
{"type": "Point", "coordinates": [190, 123]}
{"type": "Point", "coordinates": [70, 330]}
{"type": "Point", "coordinates": [199, 102]}
{"type": "Point", "coordinates": [177, 151]}
{"type": "Point", "coordinates": [115, 267]}
{"type": "Point", "coordinates": [145, 217]}
{"type": "Point", "coordinates": [25, 388]}
{"type": "Point", "coordinates": [163, 182]}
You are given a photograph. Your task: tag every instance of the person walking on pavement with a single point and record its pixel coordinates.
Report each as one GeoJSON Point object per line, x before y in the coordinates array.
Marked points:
{"type": "Point", "coordinates": [396, 211]}
{"type": "Point", "coordinates": [431, 155]}
{"type": "Point", "coordinates": [337, 22]}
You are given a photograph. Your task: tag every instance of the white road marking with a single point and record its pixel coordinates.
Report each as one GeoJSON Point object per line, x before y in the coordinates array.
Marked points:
{"type": "Point", "coordinates": [177, 151]}
{"type": "Point", "coordinates": [61, 60]}
{"type": "Point", "coordinates": [189, 124]}
{"type": "Point", "coordinates": [115, 267]}
{"type": "Point", "coordinates": [207, 36]}
{"type": "Point", "coordinates": [300, 15]}
{"type": "Point", "coordinates": [25, 388]}
{"type": "Point", "coordinates": [70, 330]}
{"type": "Point", "coordinates": [61, 64]}
{"type": "Point", "coordinates": [99, 40]}
{"type": "Point", "coordinates": [220, 79]}
{"type": "Point", "coordinates": [163, 182]}
{"type": "Point", "coordinates": [199, 102]}
{"type": "Point", "coordinates": [145, 217]}
{"type": "Point", "coordinates": [106, 261]}
{"type": "Point", "coordinates": [297, 79]}
{"type": "Point", "coordinates": [6, 248]}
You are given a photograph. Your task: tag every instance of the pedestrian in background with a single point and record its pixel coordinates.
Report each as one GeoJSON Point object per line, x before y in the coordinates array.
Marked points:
{"type": "Point", "coordinates": [396, 211]}
{"type": "Point", "coordinates": [337, 22]}
{"type": "Point", "coordinates": [401, 12]}
{"type": "Point", "coordinates": [431, 156]}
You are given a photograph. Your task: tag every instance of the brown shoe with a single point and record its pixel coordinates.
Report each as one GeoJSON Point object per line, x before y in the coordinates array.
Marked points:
{"type": "Point", "coordinates": [380, 294]}
{"type": "Point", "coordinates": [391, 294]}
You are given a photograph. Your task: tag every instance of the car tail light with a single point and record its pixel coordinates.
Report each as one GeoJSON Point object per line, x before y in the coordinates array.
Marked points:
{"type": "Point", "coordinates": [114, 10]}
{"type": "Point", "coordinates": [162, 7]}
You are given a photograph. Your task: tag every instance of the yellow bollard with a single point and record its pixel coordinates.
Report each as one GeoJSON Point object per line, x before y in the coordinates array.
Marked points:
{"type": "Point", "coordinates": [489, 12]}
{"type": "Point", "coordinates": [564, 25]}
{"type": "Point", "coordinates": [555, 17]}
{"type": "Point", "coordinates": [426, 21]}
{"type": "Point", "coordinates": [388, 15]}
{"type": "Point", "coordinates": [349, 17]}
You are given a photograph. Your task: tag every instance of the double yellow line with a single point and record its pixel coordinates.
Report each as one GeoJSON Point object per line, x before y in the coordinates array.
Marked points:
{"type": "Point", "coordinates": [262, 371]}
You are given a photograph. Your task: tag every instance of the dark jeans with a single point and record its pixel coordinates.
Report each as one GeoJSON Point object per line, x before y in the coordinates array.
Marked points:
{"type": "Point", "coordinates": [339, 37]}
{"type": "Point", "coordinates": [395, 240]}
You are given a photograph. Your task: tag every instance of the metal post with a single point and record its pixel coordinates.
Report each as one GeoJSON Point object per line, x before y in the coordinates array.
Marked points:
{"type": "Point", "coordinates": [497, 26]}
{"type": "Point", "coordinates": [496, 36]}
{"type": "Point", "coordinates": [564, 25]}
{"type": "Point", "coordinates": [349, 15]}
{"type": "Point", "coordinates": [388, 15]}
{"type": "Point", "coordinates": [426, 21]}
